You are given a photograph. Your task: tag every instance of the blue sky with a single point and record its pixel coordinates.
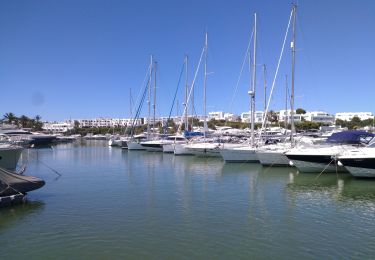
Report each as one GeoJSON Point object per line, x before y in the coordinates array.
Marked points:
{"type": "Point", "coordinates": [79, 58]}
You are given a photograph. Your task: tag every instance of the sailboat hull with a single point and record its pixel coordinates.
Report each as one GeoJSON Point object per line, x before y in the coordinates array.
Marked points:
{"type": "Point", "coordinates": [240, 154]}
{"type": "Point", "coordinates": [273, 158]}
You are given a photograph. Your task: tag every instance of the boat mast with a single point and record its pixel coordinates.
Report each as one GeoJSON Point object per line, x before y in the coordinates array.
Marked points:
{"type": "Point", "coordinates": [131, 103]}
{"type": "Point", "coordinates": [265, 87]}
{"type": "Point", "coordinates": [149, 100]}
{"type": "Point", "coordinates": [154, 106]}
{"type": "Point", "coordinates": [204, 85]}
{"type": "Point", "coordinates": [186, 93]}
{"type": "Point", "coordinates": [252, 91]}
{"type": "Point", "coordinates": [293, 46]}
{"type": "Point", "coordinates": [286, 103]}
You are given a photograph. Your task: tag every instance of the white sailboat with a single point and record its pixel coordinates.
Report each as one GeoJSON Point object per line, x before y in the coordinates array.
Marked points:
{"type": "Point", "coordinates": [246, 153]}
{"type": "Point", "coordinates": [274, 155]}
{"type": "Point", "coordinates": [194, 147]}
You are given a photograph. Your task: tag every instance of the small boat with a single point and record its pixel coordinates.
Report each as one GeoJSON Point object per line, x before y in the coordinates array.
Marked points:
{"type": "Point", "coordinates": [172, 141]}
{"type": "Point", "coordinates": [319, 158]}
{"type": "Point", "coordinates": [12, 183]}
{"type": "Point", "coordinates": [360, 162]}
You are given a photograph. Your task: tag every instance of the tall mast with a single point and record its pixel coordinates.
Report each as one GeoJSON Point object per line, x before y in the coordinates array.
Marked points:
{"type": "Point", "coordinates": [186, 93]}
{"type": "Point", "coordinates": [204, 85]}
{"type": "Point", "coordinates": [265, 87]}
{"type": "Point", "coordinates": [149, 100]}
{"type": "Point", "coordinates": [177, 108]}
{"type": "Point", "coordinates": [286, 102]}
{"type": "Point", "coordinates": [154, 106]}
{"type": "Point", "coordinates": [131, 105]}
{"type": "Point", "coordinates": [252, 92]}
{"type": "Point", "coordinates": [293, 45]}
{"type": "Point", "coordinates": [192, 108]}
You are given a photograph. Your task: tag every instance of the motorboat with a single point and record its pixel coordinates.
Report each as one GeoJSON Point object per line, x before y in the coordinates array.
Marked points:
{"type": "Point", "coordinates": [323, 157]}
{"type": "Point", "coordinates": [171, 141]}
{"type": "Point", "coordinates": [359, 162]}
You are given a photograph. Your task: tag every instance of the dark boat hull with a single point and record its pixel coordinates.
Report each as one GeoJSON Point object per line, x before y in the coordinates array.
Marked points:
{"type": "Point", "coordinates": [315, 163]}
{"type": "Point", "coordinates": [12, 183]}
{"type": "Point", "coordinates": [360, 167]}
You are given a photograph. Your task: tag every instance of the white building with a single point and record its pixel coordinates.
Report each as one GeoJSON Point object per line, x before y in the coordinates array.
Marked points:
{"type": "Point", "coordinates": [286, 114]}
{"type": "Point", "coordinates": [319, 117]}
{"type": "Point", "coordinates": [57, 127]}
{"type": "Point", "coordinates": [246, 117]}
{"type": "Point", "coordinates": [313, 116]}
{"type": "Point", "coordinates": [107, 122]}
{"type": "Point", "coordinates": [230, 117]}
{"type": "Point", "coordinates": [347, 116]}
{"type": "Point", "coordinates": [216, 115]}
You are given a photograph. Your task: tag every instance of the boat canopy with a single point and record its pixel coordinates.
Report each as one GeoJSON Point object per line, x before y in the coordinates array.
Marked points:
{"type": "Point", "coordinates": [350, 137]}
{"type": "Point", "coordinates": [188, 134]}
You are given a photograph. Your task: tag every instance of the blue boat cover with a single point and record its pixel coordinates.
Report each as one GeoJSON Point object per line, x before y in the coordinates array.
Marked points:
{"type": "Point", "coordinates": [351, 137]}
{"type": "Point", "coordinates": [188, 134]}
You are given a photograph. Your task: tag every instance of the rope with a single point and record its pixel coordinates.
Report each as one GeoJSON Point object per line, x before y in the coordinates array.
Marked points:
{"type": "Point", "coordinates": [47, 166]}
{"type": "Point", "coordinates": [324, 169]}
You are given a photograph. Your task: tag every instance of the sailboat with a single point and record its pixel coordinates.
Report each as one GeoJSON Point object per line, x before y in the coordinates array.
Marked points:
{"type": "Point", "coordinates": [274, 154]}
{"type": "Point", "coordinates": [246, 153]}
{"type": "Point", "coordinates": [197, 146]}
{"type": "Point", "coordinates": [135, 140]}
{"type": "Point", "coordinates": [204, 146]}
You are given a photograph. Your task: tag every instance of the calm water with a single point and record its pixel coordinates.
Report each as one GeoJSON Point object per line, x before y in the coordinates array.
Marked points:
{"type": "Point", "coordinates": [115, 204]}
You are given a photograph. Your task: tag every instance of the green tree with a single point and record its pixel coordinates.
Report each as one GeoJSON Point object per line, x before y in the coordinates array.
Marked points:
{"type": "Point", "coordinates": [300, 111]}
{"type": "Point", "coordinates": [24, 121]}
{"type": "Point", "coordinates": [10, 117]}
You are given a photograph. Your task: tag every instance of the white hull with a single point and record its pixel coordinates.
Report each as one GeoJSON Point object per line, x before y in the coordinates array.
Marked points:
{"type": "Point", "coordinates": [154, 149]}
{"type": "Point", "coordinates": [180, 149]}
{"type": "Point", "coordinates": [115, 143]}
{"type": "Point", "coordinates": [314, 167]}
{"type": "Point", "coordinates": [361, 172]}
{"type": "Point", "coordinates": [9, 156]}
{"type": "Point", "coordinates": [239, 154]}
{"type": "Point", "coordinates": [135, 146]}
{"type": "Point", "coordinates": [168, 148]}
{"type": "Point", "coordinates": [204, 149]}
{"type": "Point", "coordinates": [272, 158]}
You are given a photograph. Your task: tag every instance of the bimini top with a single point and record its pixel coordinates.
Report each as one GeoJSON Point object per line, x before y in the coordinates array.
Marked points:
{"type": "Point", "coordinates": [351, 137]}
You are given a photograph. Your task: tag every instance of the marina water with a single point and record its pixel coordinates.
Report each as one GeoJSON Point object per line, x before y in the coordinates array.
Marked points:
{"type": "Point", "coordinates": [117, 204]}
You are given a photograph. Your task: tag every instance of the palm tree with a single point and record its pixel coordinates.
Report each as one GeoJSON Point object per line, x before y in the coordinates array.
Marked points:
{"type": "Point", "coordinates": [10, 117]}
{"type": "Point", "coordinates": [37, 118]}
{"type": "Point", "coordinates": [24, 121]}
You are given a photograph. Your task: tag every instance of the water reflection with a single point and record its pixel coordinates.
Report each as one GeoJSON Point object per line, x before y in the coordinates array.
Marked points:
{"type": "Point", "coordinates": [359, 189]}
{"type": "Point", "coordinates": [11, 216]}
